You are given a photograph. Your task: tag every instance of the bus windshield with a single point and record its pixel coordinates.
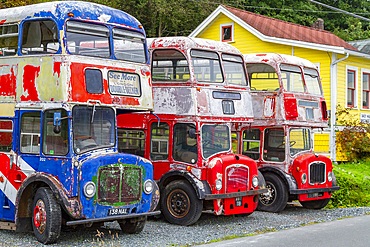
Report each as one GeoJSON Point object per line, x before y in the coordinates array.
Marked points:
{"type": "Point", "coordinates": [299, 140]}
{"type": "Point", "coordinates": [234, 69]}
{"type": "Point", "coordinates": [93, 128]}
{"type": "Point", "coordinates": [207, 66]}
{"type": "Point", "coordinates": [215, 139]}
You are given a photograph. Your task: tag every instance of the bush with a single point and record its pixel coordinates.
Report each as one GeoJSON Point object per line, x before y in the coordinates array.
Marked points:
{"type": "Point", "coordinates": [354, 182]}
{"type": "Point", "coordinates": [354, 139]}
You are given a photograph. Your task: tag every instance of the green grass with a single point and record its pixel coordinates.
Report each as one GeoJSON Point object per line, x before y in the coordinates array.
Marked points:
{"type": "Point", "coordinates": [354, 182]}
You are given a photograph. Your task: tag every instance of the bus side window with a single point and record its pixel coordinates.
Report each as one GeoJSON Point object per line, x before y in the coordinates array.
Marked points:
{"type": "Point", "coordinates": [274, 145]}
{"type": "Point", "coordinates": [39, 37]}
{"type": "Point", "coordinates": [131, 141]}
{"type": "Point", "coordinates": [159, 140]}
{"type": "Point", "coordinates": [54, 142]}
{"type": "Point", "coordinates": [30, 132]}
{"type": "Point", "coordinates": [6, 135]}
{"type": "Point", "coordinates": [185, 143]}
{"type": "Point", "coordinates": [8, 39]}
{"type": "Point", "coordinates": [251, 143]}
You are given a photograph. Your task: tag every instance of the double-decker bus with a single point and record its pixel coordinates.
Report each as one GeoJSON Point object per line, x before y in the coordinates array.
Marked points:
{"type": "Point", "coordinates": [199, 88]}
{"type": "Point", "coordinates": [66, 69]}
{"type": "Point", "coordinates": [288, 104]}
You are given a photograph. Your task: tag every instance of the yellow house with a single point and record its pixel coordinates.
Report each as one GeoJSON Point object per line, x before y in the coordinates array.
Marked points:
{"type": "Point", "coordinates": [344, 70]}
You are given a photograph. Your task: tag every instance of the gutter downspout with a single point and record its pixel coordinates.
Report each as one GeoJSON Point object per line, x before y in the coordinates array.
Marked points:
{"type": "Point", "coordinates": [333, 104]}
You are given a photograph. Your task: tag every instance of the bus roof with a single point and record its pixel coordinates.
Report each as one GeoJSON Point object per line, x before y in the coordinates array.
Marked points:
{"type": "Point", "coordinates": [184, 43]}
{"type": "Point", "coordinates": [63, 10]}
{"type": "Point", "coordinates": [274, 59]}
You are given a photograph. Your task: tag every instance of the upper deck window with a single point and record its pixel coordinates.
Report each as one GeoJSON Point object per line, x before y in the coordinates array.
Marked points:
{"type": "Point", "coordinates": [311, 78]}
{"type": "Point", "coordinates": [88, 39]}
{"type": "Point", "coordinates": [39, 37]}
{"type": "Point", "coordinates": [263, 77]}
{"type": "Point", "coordinates": [207, 66]}
{"type": "Point", "coordinates": [292, 78]}
{"type": "Point", "coordinates": [129, 45]}
{"type": "Point", "coordinates": [8, 39]}
{"type": "Point", "coordinates": [169, 65]}
{"type": "Point", "coordinates": [234, 69]}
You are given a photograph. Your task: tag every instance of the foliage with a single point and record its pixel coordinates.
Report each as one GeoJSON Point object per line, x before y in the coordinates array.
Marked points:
{"type": "Point", "coordinates": [354, 139]}
{"type": "Point", "coordinates": [354, 182]}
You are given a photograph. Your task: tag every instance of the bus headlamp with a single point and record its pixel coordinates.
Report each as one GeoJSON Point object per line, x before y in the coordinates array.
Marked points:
{"type": "Point", "coordinates": [148, 186]}
{"type": "Point", "coordinates": [304, 178]}
{"type": "Point", "coordinates": [89, 189]}
{"type": "Point", "coordinates": [218, 184]}
{"type": "Point", "coordinates": [330, 176]}
{"type": "Point", "coordinates": [255, 181]}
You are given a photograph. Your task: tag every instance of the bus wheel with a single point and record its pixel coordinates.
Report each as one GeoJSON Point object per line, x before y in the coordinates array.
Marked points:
{"type": "Point", "coordinates": [180, 204]}
{"type": "Point", "coordinates": [133, 226]}
{"type": "Point", "coordinates": [47, 216]}
{"type": "Point", "coordinates": [316, 204]}
{"type": "Point", "coordinates": [276, 198]}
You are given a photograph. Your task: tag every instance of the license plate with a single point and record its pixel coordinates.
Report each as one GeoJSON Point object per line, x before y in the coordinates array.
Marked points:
{"type": "Point", "coordinates": [238, 201]}
{"type": "Point", "coordinates": [117, 211]}
{"type": "Point", "coordinates": [312, 195]}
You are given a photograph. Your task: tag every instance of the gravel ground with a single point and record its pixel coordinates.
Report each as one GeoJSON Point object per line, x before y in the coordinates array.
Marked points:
{"type": "Point", "coordinates": [160, 233]}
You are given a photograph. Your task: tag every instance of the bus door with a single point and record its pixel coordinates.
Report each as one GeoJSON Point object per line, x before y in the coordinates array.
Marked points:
{"type": "Point", "coordinates": [160, 147]}
{"type": "Point", "coordinates": [7, 190]}
{"type": "Point", "coordinates": [55, 158]}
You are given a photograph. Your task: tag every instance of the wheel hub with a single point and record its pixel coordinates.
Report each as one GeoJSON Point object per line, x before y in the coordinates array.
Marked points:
{"type": "Point", "coordinates": [270, 196]}
{"type": "Point", "coordinates": [39, 216]}
{"type": "Point", "coordinates": [178, 203]}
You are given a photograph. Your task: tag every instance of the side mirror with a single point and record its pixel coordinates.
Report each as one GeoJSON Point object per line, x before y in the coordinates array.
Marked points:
{"type": "Point", "coordinates": [192, 133]}
{"type": "Point", "coordinates": [57, 122]}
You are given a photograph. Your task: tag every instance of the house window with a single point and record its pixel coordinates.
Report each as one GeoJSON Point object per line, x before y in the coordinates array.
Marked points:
{"type": "Point", "coordinates": [227, 32]}
{"type": "Point", "coordinates": [351, 88]}
{"type": "Point", "coordinates": [365, 90]}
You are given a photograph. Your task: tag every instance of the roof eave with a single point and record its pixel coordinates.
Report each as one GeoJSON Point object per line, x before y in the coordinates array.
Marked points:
{"type": "Point", "coordinates": [222, 10]}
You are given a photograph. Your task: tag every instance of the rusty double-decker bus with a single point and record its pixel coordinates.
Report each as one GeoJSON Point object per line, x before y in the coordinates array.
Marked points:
{"type": "Point", "coordinates": [288, 104]}
{"type": "Point", "coordinates": [199, 89]}
{"type": "Point", "coordinates": [66, 69]}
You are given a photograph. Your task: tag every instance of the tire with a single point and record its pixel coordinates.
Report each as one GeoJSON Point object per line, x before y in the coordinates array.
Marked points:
{"type": "Point", "coordinates": [316, 204]}
{"type": "Point", "coordinates": [275, 200]}
{"type": "Point", "coordinates": [180, 204]}
{"type": "Point", "coordinates": [133, 226]}
{"type": "Point", "coordinates": [47, 216]}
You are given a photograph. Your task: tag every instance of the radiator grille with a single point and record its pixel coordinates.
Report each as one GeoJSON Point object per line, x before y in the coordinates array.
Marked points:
{"type": "Point", "coordinates": [237, 178]}
{"type": "Point", "coordinates": [317, 173]}
{"type": "Point", "coordinates": [119, 184]}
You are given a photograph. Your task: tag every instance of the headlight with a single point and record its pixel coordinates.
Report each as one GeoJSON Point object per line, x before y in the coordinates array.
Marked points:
{"type": "Point", "coordinates": [330, 176]}
{"type": "Point", "coordinates": [218, 184]}
{"type": "Point", "coordinates": [304, 178]}
{"type": "Point", "coordinates": [255, 181]}
{"type": "Point", "coordinates": [148, 186]}
{"type": "Point", "coordinates": [89, 189]}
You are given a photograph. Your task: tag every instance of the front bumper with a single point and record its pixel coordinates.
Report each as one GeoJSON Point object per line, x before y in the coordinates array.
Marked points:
{"type": "Point", "coordinates": [111, 218]}
{"type": "Point", "coordinates": [315, 190]}
{"type": "Point", "coordinates": [235, 194]}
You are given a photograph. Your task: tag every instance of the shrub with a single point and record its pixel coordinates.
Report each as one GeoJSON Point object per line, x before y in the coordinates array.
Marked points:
{"type": "Point", "coordinates": [354, 139]}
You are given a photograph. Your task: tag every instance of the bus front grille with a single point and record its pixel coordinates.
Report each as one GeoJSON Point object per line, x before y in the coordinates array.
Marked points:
{"type": "Point", "coordinates": [317, 173]}
{"type": "Point", "coordinates": [119, 184]}
{"type": "Point", "coordinates": [236, 178]}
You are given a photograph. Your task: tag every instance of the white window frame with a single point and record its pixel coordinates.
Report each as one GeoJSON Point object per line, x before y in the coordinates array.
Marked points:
{"type": "Point", "coordinates": [367, 71]}
{"type": "Point", "coordinates": [232, 32]}
{"type": "Point", "coordinates": [357, 86]}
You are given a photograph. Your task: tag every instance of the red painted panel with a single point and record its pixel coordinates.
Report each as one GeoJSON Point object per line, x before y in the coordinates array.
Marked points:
{"type": "Point", "coordinates": [8, 83]}
{"type": "Point", "coordinates": [30, 73]}
{"type": "Point", "coordinates": [290, 105]}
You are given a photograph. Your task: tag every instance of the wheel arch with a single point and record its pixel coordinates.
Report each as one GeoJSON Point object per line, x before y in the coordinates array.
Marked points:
{"type": "Point", "coordinates": [288, 180]}
{"type": "Point", "coordinates": [26, 193]}
{"type": "Point", "coordinates": [201, 187]}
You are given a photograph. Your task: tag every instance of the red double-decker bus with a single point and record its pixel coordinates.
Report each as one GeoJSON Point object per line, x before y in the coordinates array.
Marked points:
{"type": "Point", "coordinates": [199, 88]}
{"type": "Point", "coordinates": [288, 104]}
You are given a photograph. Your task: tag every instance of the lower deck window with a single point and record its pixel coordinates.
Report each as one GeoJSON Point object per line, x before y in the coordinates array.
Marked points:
{"type": "Point", "coordinates": [131, 141]}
